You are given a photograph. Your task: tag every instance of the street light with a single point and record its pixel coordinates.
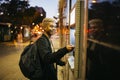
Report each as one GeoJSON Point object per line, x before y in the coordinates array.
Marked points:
{"type": "Point", "coordinates": [94, 1]}
{"type": "Point", "coordinates": [41, 14]}
{"type": "Point", "coordinates": [1, 13]}
{"type": "Point", "coordinates": [33, 23]}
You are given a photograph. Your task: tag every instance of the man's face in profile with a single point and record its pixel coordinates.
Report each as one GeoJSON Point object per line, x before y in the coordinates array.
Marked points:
{"type": "Point", "coordinates": [94, 31]}
{"type": "Point", "coordinates": [51, 28]}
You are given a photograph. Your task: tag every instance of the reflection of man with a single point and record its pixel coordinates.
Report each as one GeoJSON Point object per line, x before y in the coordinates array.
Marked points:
{"type": "Point", "coordinates": [95, 69]}
{"type": "Point", "coordinates": [95, 28]}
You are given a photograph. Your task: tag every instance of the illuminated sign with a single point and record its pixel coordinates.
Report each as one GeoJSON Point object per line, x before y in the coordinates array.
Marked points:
{"type": "Point", "coordinates": [72, 17]}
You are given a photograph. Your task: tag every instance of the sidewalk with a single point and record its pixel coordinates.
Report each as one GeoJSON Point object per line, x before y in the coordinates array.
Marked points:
{"type": "Point", "coordinates": [14, 43]}
{"type": "Point", "coordinates": [9, 59]}
{"type": "Point", "coordinates": [56, 45]}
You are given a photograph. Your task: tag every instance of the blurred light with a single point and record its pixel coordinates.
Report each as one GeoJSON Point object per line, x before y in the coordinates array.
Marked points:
{"type": "Point", "coordinates": [11, 31]}
{"type": "Point", "coordinates": [1, 13]}
{"type": "Point", "coordinates": [57, 14]}
{"type": "Point", "coordinates": [33, 23]}
{"type": "Point", "coordinates": [94, 1]}
{"type": "Point", "coordinates": [41, 14]}
{"type": "Point", "coordinates": [40, 27]}
{"type": "Point", "coordinates": [9, 25]}
{"type": "Point", "coordinates": [15, 27]}
{"type": "Point", "coordinates": [21, 27]}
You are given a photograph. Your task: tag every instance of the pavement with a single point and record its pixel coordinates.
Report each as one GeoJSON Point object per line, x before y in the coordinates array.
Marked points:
{"type": "Point", "coordinates": [9, 59]}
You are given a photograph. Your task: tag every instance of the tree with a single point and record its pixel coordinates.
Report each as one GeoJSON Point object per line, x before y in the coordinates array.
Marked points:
{"type": "Point", "coordinates": [18, 12]}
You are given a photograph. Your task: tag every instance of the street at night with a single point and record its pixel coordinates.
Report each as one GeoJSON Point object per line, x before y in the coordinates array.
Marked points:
{"type": "Point", "coordinates": [85, 46]}
{"type": "Point", "coordinates": [9, 59]}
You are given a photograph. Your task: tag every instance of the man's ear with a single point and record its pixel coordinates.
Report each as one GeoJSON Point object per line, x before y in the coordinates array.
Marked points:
{"type": "Point", "coordinates": [46, 28]}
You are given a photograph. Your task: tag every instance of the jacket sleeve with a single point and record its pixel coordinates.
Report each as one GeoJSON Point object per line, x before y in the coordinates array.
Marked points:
{"type": "Point", "coordinates": [45, 52]}
{"type": "Point", "coordinates": [60, 63]}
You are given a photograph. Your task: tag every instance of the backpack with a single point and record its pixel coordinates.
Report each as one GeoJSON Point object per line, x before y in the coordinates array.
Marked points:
{"type": "Point", "coordinates": [29, 62]}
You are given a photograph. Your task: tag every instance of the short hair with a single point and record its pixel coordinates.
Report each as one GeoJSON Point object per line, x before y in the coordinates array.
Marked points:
{"type": "Point", "coordinates": [47, 21]}
{"type": "Point", "coordinates": [96, 22]}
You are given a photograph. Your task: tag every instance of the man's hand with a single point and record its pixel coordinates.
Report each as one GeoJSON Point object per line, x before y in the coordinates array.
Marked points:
{"type": "Point", "coordinates": [70, 47]}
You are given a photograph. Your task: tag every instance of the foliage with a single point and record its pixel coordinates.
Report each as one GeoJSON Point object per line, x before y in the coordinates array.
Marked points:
{"type": "Point", "coordinates": [18, 12]}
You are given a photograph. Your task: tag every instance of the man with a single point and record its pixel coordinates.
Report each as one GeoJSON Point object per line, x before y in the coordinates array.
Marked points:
{"type": "Point", "coordinates": [47, 58]}
{"type": "Point", "coordinates": [95, 67]}
{"type": "Point", "coordinates": [96, 29]}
